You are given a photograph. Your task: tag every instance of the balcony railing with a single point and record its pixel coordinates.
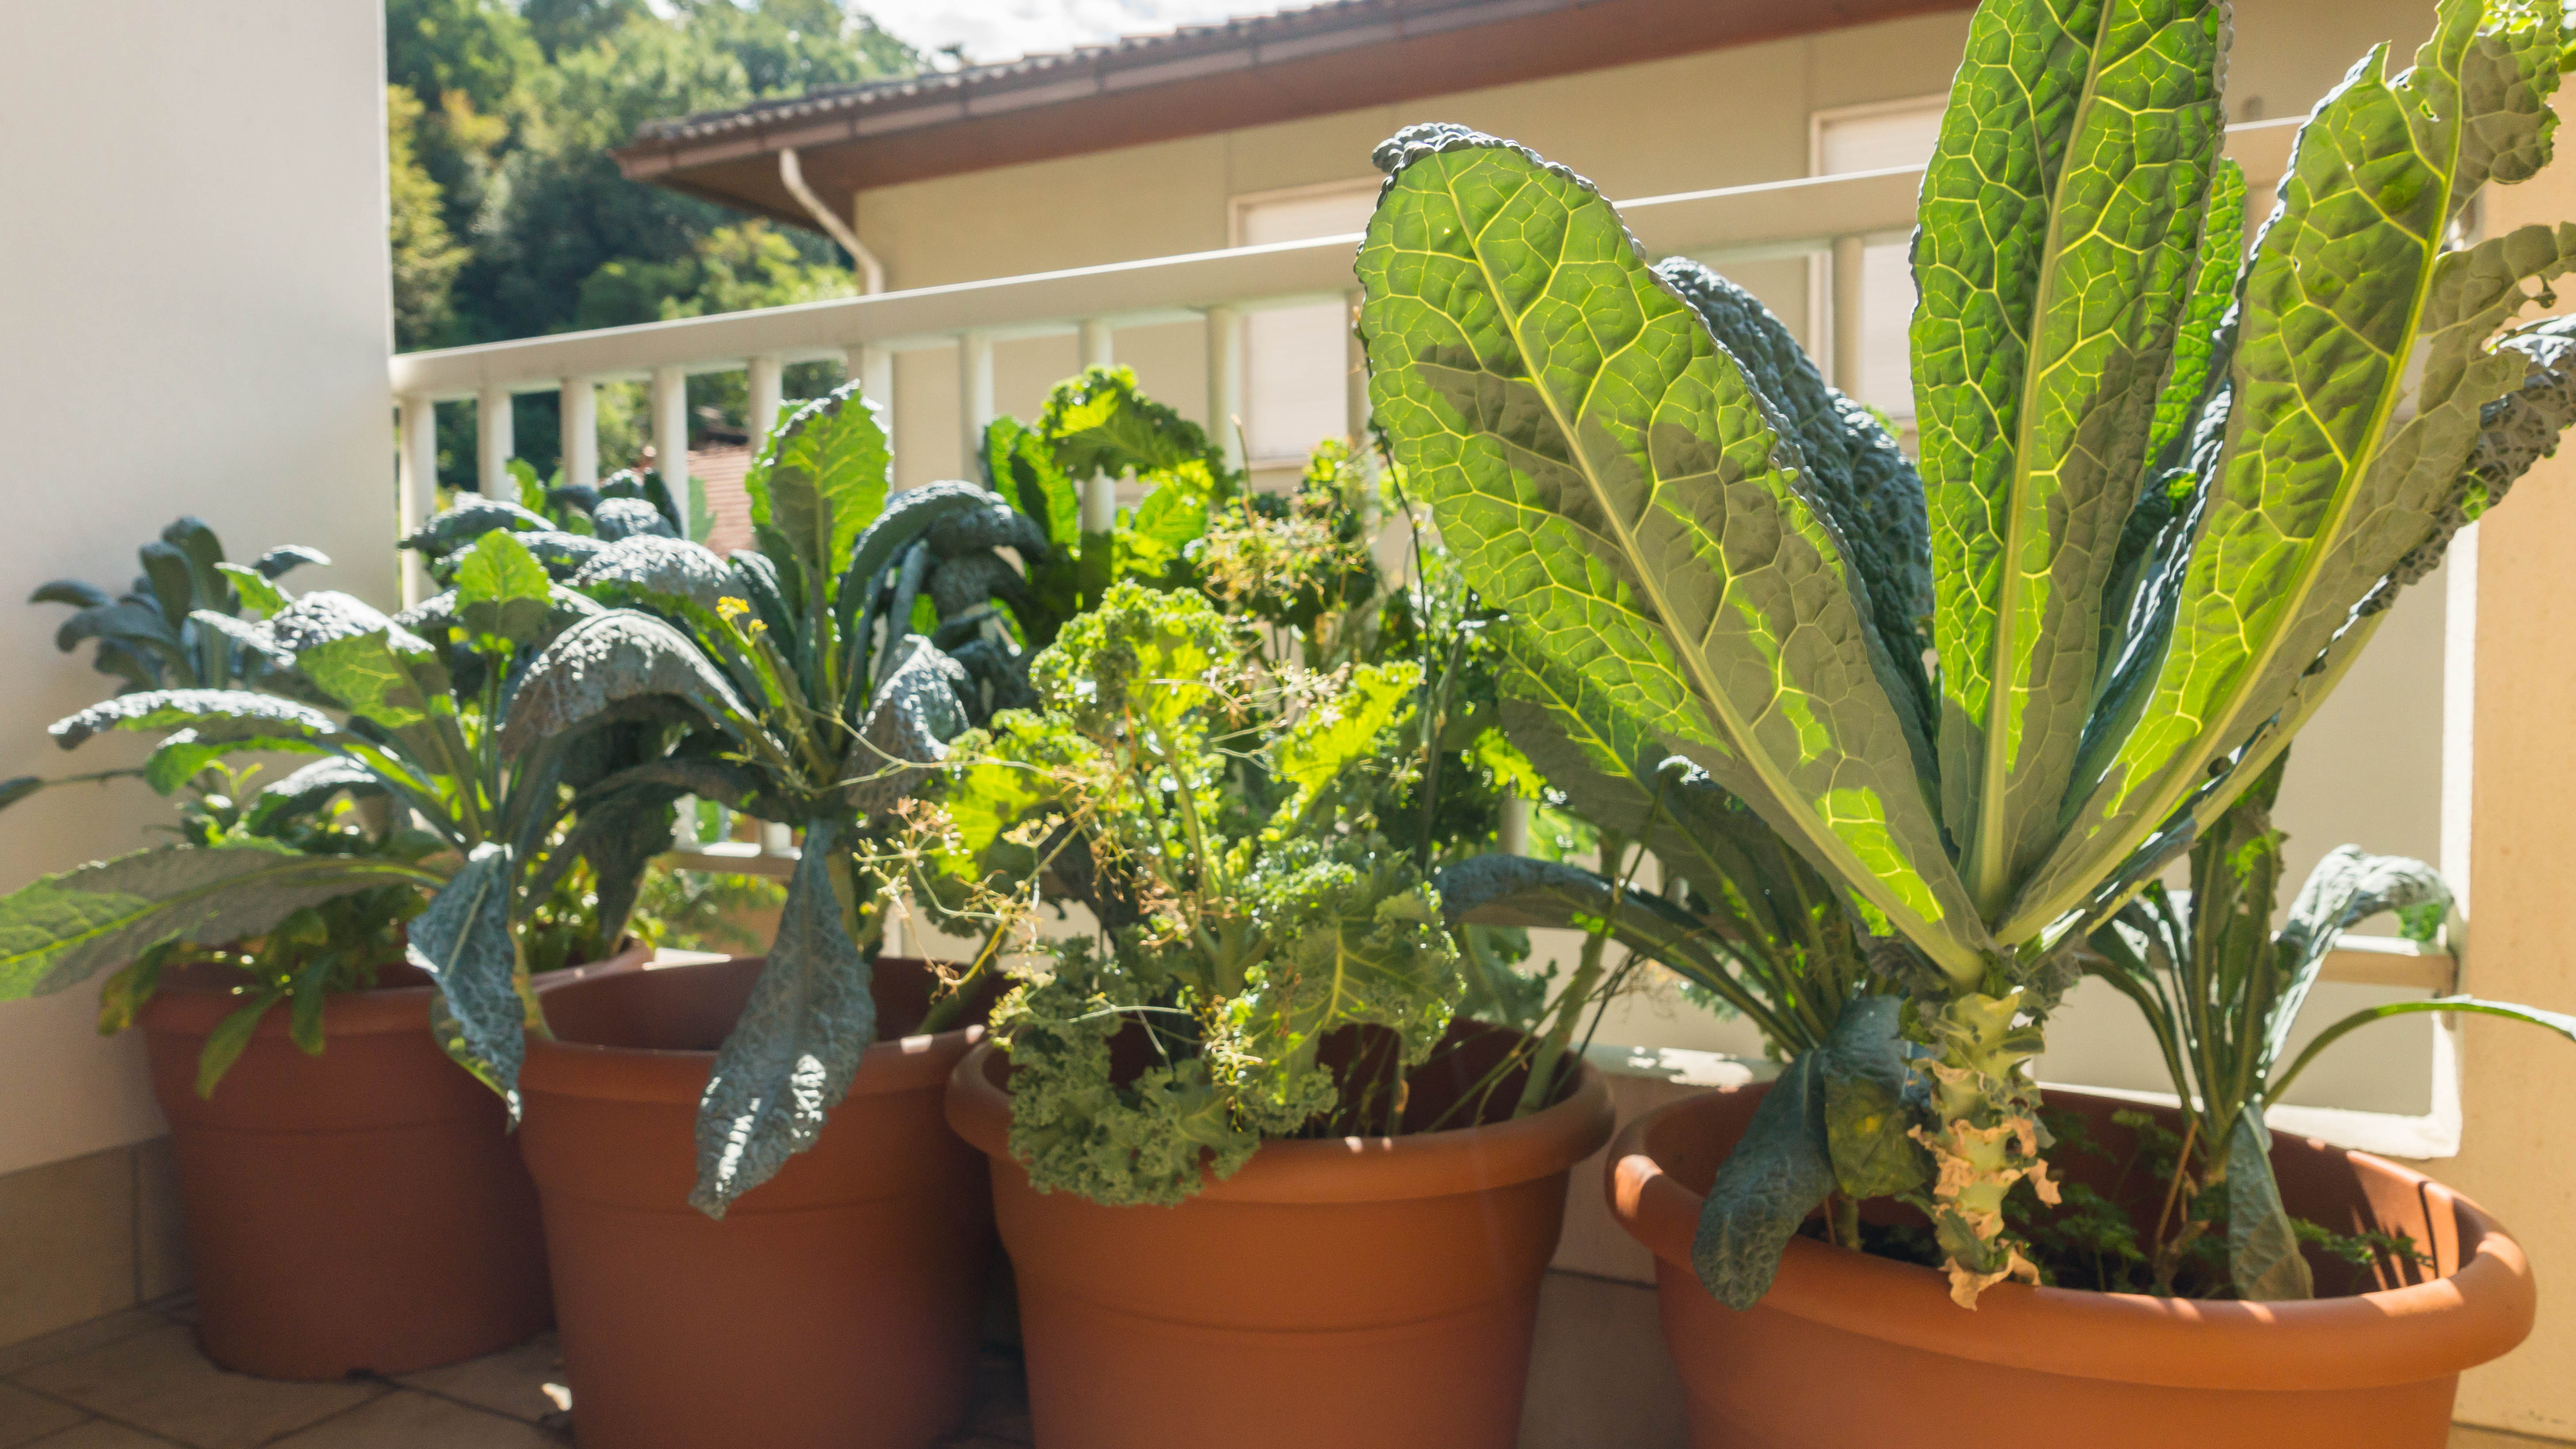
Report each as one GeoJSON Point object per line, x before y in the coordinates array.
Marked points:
{"type": "Point", "coordinates": [1832, 217]}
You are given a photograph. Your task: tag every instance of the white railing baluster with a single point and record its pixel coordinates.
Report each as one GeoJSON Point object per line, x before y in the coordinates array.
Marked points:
{"type": "Point", "coordinates": [1225, 381]}
{"type": "Point", "coordinates": [1099, 492]}
{"type": "Point", "coordinates": [974, 397]}
{"type": "Point", "coordinates": [493, 444]}
{"type": "Point", "coordinates": [1846, 271]}
{"type": "Point", "coordinates": [1828, 216]}
{"type": "Point", "coordinates": [581, 432]}
{"type": "Point", "coordinates": [416, 489]}
{"type": "Point", "coordinates": [873, 368]}
{"type": "Point", "coordinates": [767, 387]}
{"type": "Point", "coordinates": [671, 436]}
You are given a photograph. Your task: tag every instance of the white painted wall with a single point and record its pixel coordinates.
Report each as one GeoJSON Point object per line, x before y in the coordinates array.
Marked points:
{"type": "Point", "coordinates": [194, 318]}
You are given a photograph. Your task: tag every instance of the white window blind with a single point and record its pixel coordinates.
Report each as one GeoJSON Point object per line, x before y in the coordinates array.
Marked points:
{"type": "Point", "coordinates": [1297, 359]}
{"type": "Point", "coordinates": [1872, 138]}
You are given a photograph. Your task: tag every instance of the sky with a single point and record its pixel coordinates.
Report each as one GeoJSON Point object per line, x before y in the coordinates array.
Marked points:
{"type": "Point", "coordinates": [1004, 29]}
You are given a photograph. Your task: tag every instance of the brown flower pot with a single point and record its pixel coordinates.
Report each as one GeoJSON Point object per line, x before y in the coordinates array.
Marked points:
{"type": "Point", "coordinates": [1850, 1349]}
{"type": "Point", "coordinates": [1356, 1292]}
{"type": "Point", "coordinates": [360, 1210]}
{"type": "Point", "coordinates": [836, 1304]}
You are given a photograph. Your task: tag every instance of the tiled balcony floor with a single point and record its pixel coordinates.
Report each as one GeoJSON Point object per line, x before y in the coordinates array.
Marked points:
{"type": "Point", "coordinates": [134, 1380]}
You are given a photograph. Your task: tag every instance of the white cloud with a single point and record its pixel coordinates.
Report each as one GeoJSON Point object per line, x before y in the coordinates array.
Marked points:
{"type": "Point", "coordinates": [1005, 29]}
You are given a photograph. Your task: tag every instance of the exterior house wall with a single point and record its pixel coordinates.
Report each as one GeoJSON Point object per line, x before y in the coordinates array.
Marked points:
{"type": "Point", "coordinates": [194, 318]}
{"type": "Point", "coordinates": [1718, 118]}
{"type": "Point", "coordinates": [2512, 855]}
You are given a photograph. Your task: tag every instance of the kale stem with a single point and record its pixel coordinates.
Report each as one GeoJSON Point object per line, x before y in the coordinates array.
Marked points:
{"type": "Point", "coordinates": [1842, 1219]}
{"type": "Point", "coordinates": [2173, 1190]}
{"type": "Point", "coordinates": [1550, 1059]}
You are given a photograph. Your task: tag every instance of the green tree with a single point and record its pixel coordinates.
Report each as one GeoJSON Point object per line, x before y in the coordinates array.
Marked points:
{"type": "Point", "coordinates": [518, 109]}
{"type": "Point", "coordinates": [426, 255]}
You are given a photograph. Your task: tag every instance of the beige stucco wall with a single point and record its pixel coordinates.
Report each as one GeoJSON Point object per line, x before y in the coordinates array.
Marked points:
{"type": "Point", "coordinates": [1718, 118]}
{"type": "Point", "coordinates": [2518, 1148]}
{"type": "Point", "coordinates": [194, 317]}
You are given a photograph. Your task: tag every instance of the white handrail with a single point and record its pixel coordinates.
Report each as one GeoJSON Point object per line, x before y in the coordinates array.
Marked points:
{"type": "Point", "coordinates": [1773, 217]}
{"type": "Point", "coordinates": [1833, 215]}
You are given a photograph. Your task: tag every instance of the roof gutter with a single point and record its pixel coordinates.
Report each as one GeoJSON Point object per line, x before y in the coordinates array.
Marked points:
{"type": "Point", "coordinates": [792, 175]}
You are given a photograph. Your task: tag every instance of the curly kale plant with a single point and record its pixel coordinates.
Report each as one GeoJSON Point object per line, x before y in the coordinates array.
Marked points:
{"type": "Point", "coordinates": [1223, 825]}
{"type": "Point", "coordinates": [425, 696]}
{"type": "Point", "coordinates": [2222, 991]}
{"type": "Point", "coordinates": [2165, 497]}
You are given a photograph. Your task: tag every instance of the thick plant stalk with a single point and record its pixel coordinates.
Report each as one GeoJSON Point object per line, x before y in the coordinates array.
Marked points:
{"type": "Point", "coordinates": [1541, 1086]}
{"type": "Point", "coordinates": [1986, 1138]}
{"type": "Point", "coordinates": [1551, 1050]}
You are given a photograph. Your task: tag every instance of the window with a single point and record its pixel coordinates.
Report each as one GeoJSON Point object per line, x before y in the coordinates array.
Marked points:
{"type": "Point", "coordinates": [1872, 138]}
{"type": "Point", "coordinates": [1297, 359]}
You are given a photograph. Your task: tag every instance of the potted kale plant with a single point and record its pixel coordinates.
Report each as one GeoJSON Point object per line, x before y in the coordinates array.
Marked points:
{"type": "Point", "coordinates": [2167, 492]}
{"type": "Point", "coordinates": [1246, 1109]}
{"type": "Point", "coordinates": [353, 1201]}
{"type": "Point", "coordinates": [758, 1141]}
{"type": "Point", "coordinates": [2223, 991]}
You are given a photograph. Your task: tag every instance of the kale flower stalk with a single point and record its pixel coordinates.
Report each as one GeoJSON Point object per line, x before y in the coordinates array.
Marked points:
{"type": "Point", "coordinates": [2167, 489]}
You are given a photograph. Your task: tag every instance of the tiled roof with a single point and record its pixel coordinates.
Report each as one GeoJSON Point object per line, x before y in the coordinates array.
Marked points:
{"type": "Point", "coordinates": [1258, 70]}
{"type": "Point", "coordinates": [1121, 64]}
{"type": "Point", "coordinates": [718, 469]}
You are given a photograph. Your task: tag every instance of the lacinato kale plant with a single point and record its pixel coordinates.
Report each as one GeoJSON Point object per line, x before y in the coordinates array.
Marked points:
{"type": "Point", "coordinates": [2167, 490]}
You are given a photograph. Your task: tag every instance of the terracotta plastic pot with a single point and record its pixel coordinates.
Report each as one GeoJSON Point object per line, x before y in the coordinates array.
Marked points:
{"type": "Point", "coordinates": [1357, 1292]}
{"type": "Point", "coordinates": [836, 1304]}
{"type": "Point", "coordinates": [360, 1210]}
{"type": "Point", "coordinates": [1849, 1349]}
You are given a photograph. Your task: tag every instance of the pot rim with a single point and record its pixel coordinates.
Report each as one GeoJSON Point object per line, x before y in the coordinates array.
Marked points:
{"type": "Point", "coordinates": [606, 1073]}
{"type": "Point", "coordinates": [1347, 1169]}
{"type": "Point", "coordinates": [377, 1011]}
{"type": "Point", "coordinates": [2391, 1336]}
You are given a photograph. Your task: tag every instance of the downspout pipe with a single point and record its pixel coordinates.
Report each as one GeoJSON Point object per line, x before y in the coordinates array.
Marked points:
{"type": "Point", "coordinates": [791, 174]}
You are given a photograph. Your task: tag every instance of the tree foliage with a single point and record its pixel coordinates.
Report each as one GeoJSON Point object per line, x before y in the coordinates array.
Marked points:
{"type": "Point", "coordinates": [510, 218]}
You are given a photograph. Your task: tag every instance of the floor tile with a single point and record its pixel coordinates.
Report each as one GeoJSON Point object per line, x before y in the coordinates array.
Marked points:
{"type": "Point", "coordinates": [79, 1338]}
{"type": "Point", "coordinates": [418, 1421]}
{"type": "Point", "coordinates": [25, 1416]}
{"type": "Point", "coordinates": [510, 1382]}
{"type": "Point", "coordinates": [1598, 1371]}
{"type": "Point", "coordinates": [100, 1434]}
{"type": "Point", "coordinates": [159, 1382]}
{"type": "Point", "coordinates": [2470, 1436]}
